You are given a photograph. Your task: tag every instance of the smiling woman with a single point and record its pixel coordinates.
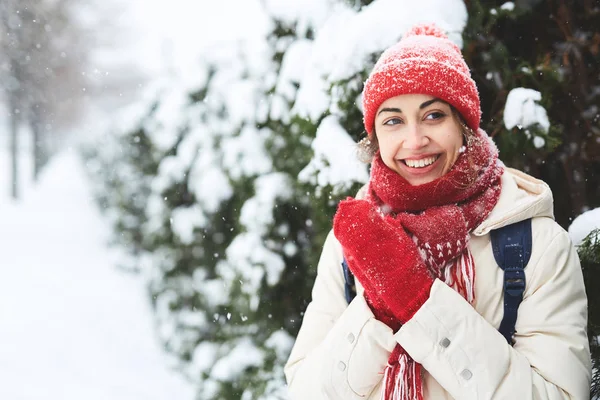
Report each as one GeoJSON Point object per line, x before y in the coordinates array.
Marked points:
{"type": "Point", "coordinates": [417, 236]}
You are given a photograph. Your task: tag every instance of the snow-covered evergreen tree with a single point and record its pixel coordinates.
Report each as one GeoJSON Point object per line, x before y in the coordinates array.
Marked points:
{"type": "Point", "coordinates": [589, 254]}
{"type": "Point", "coordinates": [124, 162]}
{"type": "Point", "coordinates": [548, 48]}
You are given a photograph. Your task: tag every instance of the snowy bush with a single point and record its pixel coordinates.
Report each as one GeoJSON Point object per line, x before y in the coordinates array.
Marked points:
{"type": "Point", "coordinates": [584, 225]}
{"type": "Point", "coordinates": [589, 254]}
{"type": "Point", "coordinates": [523, 112]}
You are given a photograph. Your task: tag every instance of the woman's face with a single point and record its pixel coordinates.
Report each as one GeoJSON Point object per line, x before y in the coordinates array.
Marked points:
{"type": "Point", "coordinates": [418, 136]}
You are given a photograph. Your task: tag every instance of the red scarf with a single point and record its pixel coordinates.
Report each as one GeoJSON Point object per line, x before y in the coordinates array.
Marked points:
{"type": "Point", "coordinates": [438, 216]}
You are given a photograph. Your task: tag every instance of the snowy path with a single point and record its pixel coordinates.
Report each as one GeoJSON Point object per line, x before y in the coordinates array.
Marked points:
{"type": "Point", "coordinates": [71, 325]}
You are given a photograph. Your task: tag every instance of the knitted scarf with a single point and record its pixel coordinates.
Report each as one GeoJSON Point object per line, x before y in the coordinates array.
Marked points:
{"type": "Point", "coordinates": [438, 216]}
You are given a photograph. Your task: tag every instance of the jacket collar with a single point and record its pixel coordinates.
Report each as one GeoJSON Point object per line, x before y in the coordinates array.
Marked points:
{"type": "Point", "coordinates": [522, 197]}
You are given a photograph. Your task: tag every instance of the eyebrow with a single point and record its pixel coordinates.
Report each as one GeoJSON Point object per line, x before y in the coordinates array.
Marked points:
{"type": "Point", "coordinates": [422, 106]}
{"type": "Point", "coordinates": [430, 102]}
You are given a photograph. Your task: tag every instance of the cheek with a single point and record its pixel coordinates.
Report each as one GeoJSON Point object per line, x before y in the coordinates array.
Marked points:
{"type": "Point", "coordinates": [388, 153]}
{"type": "Point", "coordinates": [387, 150]}
{"type": "Point", "coordinates": [387, 143]}
{"type": "Point", "coordinates": [452, 146]}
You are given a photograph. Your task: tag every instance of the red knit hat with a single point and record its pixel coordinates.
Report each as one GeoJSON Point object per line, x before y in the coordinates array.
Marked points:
{"type": "Point", "coordinates": [425, 61]}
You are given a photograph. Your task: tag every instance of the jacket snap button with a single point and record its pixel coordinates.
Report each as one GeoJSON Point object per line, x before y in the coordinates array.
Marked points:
{"type": "Point", "coordinates": [466, 374]}
{"type": "Point", "coordinates": [341, 366]}
{"type": "Point", "coordinates": [351, 338]}
{"type": "Point", "coordinates": [445, 342]}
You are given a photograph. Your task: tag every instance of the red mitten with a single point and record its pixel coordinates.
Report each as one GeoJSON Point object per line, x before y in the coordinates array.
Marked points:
{"type": "Point", "coordinates": [383, 258]}
{"type": "Point", "coordinates": [380, 310]}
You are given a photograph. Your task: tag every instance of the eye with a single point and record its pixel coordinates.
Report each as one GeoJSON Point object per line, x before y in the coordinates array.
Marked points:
{"type": "Point", "coordinates": [435, 115]}
{"type": "Point", "coordinates": [393, 121]}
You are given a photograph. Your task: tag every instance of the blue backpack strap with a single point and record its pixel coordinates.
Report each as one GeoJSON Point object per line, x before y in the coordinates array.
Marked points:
{"type": "Point", "coordinates": [511, 245]}
{"type": "Point", "coordinates": [349, 285]}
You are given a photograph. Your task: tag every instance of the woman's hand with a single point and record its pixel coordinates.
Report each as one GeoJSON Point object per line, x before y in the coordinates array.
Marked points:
{"type": "Point", "coordinates": [383, 258]}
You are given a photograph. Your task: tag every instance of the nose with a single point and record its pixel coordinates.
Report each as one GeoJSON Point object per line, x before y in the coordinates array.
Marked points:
{"type": "Point", "coordinates": [415, 138]}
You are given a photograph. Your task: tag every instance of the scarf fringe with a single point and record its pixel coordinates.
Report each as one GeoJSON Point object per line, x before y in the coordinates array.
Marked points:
{"type": "Point", "coordinates": [402, 380]}
{"type": "Point", "coordinates": [460, 275]}
{"type": "Point", "coordinates": [467, 268]}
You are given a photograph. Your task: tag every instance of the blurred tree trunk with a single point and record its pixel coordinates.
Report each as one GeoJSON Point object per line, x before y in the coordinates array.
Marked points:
{"type": "Point", "coordinates": [39, 148]}
{"type": "Point", "coordinates": [14, 148]}
{"type": "Point", "coordinates": [12, 76]}
{"type": "Point", "coordinates": [13, 91]}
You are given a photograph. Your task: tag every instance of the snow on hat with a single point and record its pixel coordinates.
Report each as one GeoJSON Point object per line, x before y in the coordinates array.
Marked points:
{"type": "Point", "coordinates": [424, 61]}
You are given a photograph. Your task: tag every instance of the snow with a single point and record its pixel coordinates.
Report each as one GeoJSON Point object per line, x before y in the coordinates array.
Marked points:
{"type": "Point", "coordinates": [185, 219]}
{"type": "Point", "coordinates": [281, 342]}
{"type": "Point", "coordinates": [538, 142]}
{"type": "Point", "coordinates": [244, 355]}
{"type": "Point", "coordinates": [583, 225]}
{"type": "Point", "coordinates": [347, 40]}
{"type": "Point", "coordinates": [312, 98]}
{"type": "Point", "coordinates": [204, 357]}
{"type": "Point", "coordinates": [212, 289]}
{"type": "Point", "coordinates": [335, 159]}
{"type": "Point", "coordinates": [177, 33]}
{"type": "Point", "coordinates": [248, 256]}
{"type": "Point", "coordinates": [522, 111]}
{"type": "Point", "coordinates": [257, 212]}
{"type": "Point", "coordinates": [304, 14]}
{"type": "Point", "coordinates": [508, 6]}
{"type": "Point", "coordinates": [245, 154]}
{"type": "Point", "coordinates": [163, 128]}
{"type": "Point", "coordinates": [207, 181]}
{"type": "Point", "coordinates": [224, 27]}
{"type": "Point", "coordinates": [73, 325]}
{"type": "Point", "coordinates": [241, 96]}
{"type": "Point", "coordinates": [293, 67]}
{"type": "Point", "coordinates": [212, 180]}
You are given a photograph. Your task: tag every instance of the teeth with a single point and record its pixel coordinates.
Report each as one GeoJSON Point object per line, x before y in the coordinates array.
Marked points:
{"type": "Point", "coordinates": [421, 163]}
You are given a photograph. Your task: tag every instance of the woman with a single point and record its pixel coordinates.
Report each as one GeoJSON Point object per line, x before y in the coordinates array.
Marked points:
{"type": "Point", "coordinates": [424, 324]}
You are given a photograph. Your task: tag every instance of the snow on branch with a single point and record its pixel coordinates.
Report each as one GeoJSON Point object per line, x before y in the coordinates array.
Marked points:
{"type": "Point", "coordinates": [583, 225]}
{"type": "Point", "coordinates": [523, 111]}
{"type": "Point", "coordinates": [335, 161]}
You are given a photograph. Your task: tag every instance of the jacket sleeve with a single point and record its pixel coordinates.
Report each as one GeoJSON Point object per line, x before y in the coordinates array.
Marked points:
{"type": "Point", "coordinates": [341, 350]}
{"type": "Point", "coordinates": [472, 360]}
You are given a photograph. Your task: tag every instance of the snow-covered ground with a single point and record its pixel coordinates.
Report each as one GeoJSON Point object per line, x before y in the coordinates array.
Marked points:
{"type": "Point", "coordinates": [72, 326]}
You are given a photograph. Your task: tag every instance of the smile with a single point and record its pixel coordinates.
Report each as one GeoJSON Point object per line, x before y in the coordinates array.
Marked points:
{"type": "Point", "coordinates": [424, 162]}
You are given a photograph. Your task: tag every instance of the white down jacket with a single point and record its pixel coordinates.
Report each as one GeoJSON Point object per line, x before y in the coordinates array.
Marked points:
{"type": "Point", "coordinates": [342, 350]}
